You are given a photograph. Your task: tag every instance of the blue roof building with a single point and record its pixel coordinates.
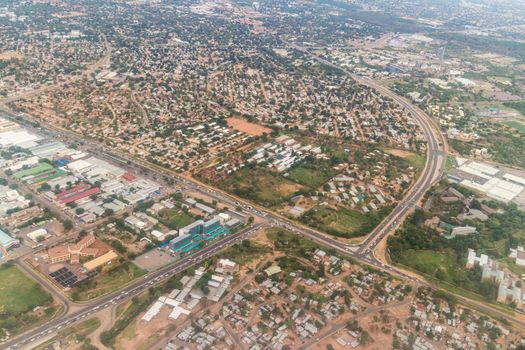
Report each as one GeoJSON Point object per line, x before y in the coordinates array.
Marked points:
{"type": "Point", "coordinates": [7, 242]}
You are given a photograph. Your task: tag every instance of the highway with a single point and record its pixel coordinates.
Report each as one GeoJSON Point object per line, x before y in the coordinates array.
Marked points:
{"type": "Point", "coordinates": [434, 168]}
{"type": "Point", "coordinates": [363, 252]}
{"type": "Point", "coordinates": [130, 291]}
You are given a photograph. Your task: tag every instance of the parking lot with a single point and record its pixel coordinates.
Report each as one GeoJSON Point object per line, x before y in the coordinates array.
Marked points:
{"type": "Point", "coordinates": [154, 259]}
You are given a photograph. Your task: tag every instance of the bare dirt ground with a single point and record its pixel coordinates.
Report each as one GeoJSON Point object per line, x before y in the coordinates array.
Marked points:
{"type": "Point", "coordinates": [379, 324]}
{"type": "Point", "coordinates": [380, 251]}
{"type": "Point", "coordinates": [107, 318]}
{"type": "Point", "coordinates": [398, 152]}
{"type": "Point", "coordinates": [139, 333]}
{"type": "Point", "coordinates": [247, 127]}
{"type": "Point", "coordinates": [289, 188]}
{"type": "Point", "coordinates": [9, 55]}
{"type": "Point", "coordinates": [68, 14]}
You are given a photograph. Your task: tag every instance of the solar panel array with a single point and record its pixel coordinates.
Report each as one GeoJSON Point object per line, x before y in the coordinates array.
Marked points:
{"type": "Point", "coordinates": [64, 277]}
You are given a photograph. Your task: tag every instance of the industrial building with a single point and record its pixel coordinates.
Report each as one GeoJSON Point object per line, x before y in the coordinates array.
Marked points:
{"type": "Point", "coordinates": [76, 193]}
{"type": "Point", "coordinates": [495, 183]}
{"type": "Point", "coordinates": [83, 179]}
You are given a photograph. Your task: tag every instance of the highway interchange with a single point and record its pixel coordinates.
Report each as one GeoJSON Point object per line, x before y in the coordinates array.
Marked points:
{"type": "Point", "coordinates": [364, 252]}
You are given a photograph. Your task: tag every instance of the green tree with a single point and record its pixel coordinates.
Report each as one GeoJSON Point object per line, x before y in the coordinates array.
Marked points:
{"type": "Point", "coordinates": [68, 225]}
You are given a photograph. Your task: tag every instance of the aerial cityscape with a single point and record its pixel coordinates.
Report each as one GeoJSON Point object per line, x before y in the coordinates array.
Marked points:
{"type": "Point", "coordinates": [270, 174]}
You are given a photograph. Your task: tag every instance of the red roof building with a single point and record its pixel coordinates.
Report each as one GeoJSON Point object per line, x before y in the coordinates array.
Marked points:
{"type": "Point", "coordinates": [128, 177]}
{"type": "Point", "coordinates": [72, 191]}
{"type": "Point", "coordinates": [80, 195]}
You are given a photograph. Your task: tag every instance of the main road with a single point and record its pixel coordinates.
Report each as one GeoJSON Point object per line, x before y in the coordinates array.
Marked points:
{"type": "Point", "coordinates": [57, 324]}
{"type": "Point", "coordinates": [436, 152]}
{"type": "Point", "coordinates": [434, 168]}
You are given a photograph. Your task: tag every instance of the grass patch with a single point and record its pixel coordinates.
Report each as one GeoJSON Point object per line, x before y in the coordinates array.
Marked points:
{"type": "Point", "coordinates": [448, 268]}
{"type": "Point", "coordinates": [442, 264]}
{"type": "Point", "coordinates": [174, 218]}
{"type": "Point", "coordinates": [260, 186]}
{"type": "Point", "coordinates": [18, 293]}
{"type": "Point", "coordinates": [343, 222]}
{"type": "Point", "coordinates": [417, 161]}
{"type": "Point", "coordinates": [87, 327]}
{"type": "Point", "coordinates": [107, 281]}
{"type": "Point", "coordinates": [516, 125]}
{"type": "Point", "coordinates": [450, 163]}
{"type": "Point", "coordinates": [518, 106]}
{"type": "Point", "coordinates": [245, 252]}
{"type": "Point", "coordinates": [121, 308]}
{"type": "Point", "coordinates": [291, 243]}
{"type": "Point", "coordinates": [511, 265]}
{"type": "Point", "coordinates": [312, 174]}
{"type": "Point", "coordinates": [407, 159]}
{"type": "Point", "coordinates": [130, 331]}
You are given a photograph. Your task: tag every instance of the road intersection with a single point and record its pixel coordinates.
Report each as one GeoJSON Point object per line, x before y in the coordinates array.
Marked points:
{"type": "Point", "coordinates": [433, 170]}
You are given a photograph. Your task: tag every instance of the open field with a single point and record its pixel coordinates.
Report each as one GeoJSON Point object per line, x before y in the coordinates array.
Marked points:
{"type": "Point", "coordinates": [18, 293]}
{"type": "Point", "coordinates": [107, 281]}
{"type": "Point", "coordinates": [68, 14]}
{"type": "Point", "coordinates": [289, 242]}
{"type": "Point", "coordinates": [413, 159]}
{"type": "Point", "coordinates": [341, 222]}
{"type": "Point", "coordinates": [417, 161]}
{"type": "Point", "coordinates": [398, 152]}
{"type": "Point", "coordinates": [260, 186]}
{"type": "Point", "coordinates": [506, 147]}
{"type": "Point", "coordinates": [174, 218]}
{"type": "Point", "coordinates": [247, 127]}
{"type": "Point", "coordinates": [245, 252]}
{"type": "Point", "coordinates": [433, 263]}
{"type": "Point", "coordinates": [516, 125]}
{"type": "Point", "coordinates": [312, 175]}
{"type": "Point", "coordinates": [444, 268]}
{"type": "Point", "coordinates": [126, 315]}
{"type": "Point", "coordinates": [23, 302]}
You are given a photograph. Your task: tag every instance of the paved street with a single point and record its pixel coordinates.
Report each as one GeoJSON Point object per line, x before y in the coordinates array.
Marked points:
{"type": "Point", "coordinates": [433, 170]}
